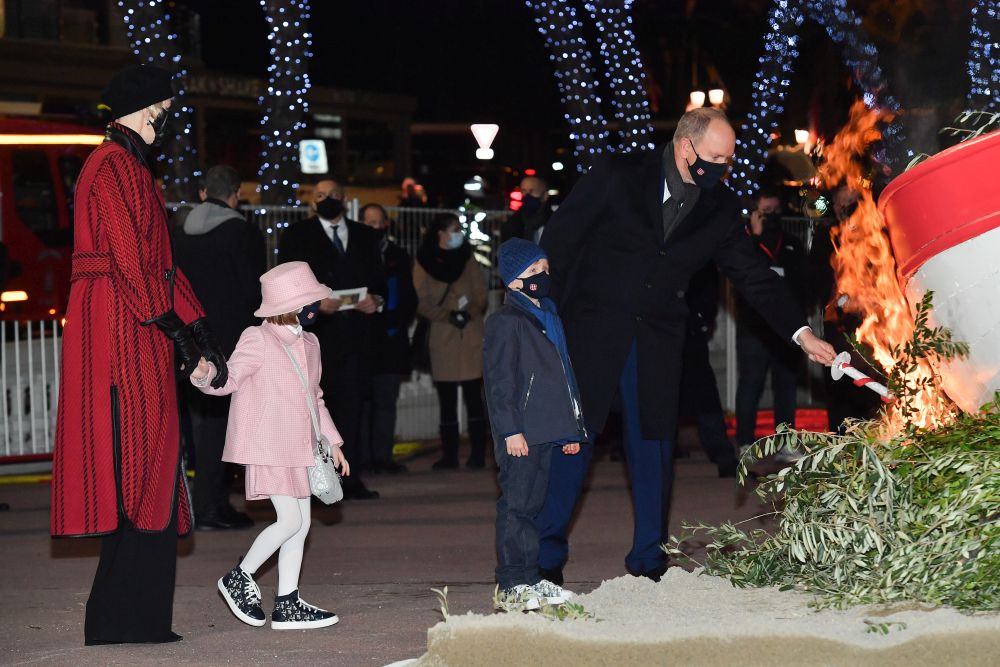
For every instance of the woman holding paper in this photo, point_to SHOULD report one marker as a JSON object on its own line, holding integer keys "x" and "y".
{"x": 452, "y": 295}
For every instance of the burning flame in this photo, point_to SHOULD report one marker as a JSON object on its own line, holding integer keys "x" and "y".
{"x": 865, "y": 269}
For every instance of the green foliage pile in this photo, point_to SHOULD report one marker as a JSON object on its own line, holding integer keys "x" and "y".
{"x": 865, "y": 519}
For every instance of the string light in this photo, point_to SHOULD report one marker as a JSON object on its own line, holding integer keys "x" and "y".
{"x": 285, "y": 106}
{"x": 859, "y": 55}
{"x": 624, "y": 73}
{"x": 148, "y": 24}
{"x": 576, "y": 77}
{"x": 984, "y": 57}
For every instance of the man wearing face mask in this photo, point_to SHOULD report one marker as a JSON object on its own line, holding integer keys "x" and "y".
{"x": 528, "y": 222}
{"x": 759, "y": 350}
{"x": 342, "y": 254}
{"x": 116, "y": 469}
{"x": 223, "y": 256}
{"x": 622, "y": 249}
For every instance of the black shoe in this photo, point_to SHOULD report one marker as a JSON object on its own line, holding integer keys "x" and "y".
{"x": 727, "y": 469}
{"x": 475, "y": 463}
{"x": 291, "y": 613}
{"x": 213, "y": 521}
{"x": 238, "y": 519}
{"x": 391, "y": 468}
{"x": 169, "y": 639}
{"x": 555, "y": 575}
{"x": 357, "y": 490}
{"x": 241, "y": 593}
{"x": 445, "y": 464}
{"x": 655, "y": 574}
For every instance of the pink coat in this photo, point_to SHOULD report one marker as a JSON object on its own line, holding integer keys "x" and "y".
{"x": 269, "y": 421}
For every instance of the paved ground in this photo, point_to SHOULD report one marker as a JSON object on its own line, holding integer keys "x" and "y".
{"x": 373, "y": 562}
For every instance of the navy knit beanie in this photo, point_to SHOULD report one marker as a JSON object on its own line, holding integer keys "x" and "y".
{"x": 516, "y": 255}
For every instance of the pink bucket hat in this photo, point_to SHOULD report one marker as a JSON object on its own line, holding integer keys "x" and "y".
{"x": 288, "y": 287}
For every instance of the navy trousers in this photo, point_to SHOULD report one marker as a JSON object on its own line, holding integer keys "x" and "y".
{"x": 651, "y": 470}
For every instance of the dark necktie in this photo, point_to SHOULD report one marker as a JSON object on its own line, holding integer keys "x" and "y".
{"x": 335, "y": 237}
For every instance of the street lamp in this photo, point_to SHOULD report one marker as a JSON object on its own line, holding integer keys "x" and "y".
{"x": 697, "y": 98}
{"x": 484, "y": 133}
{"x": 716, "y": 96}
{"x": 801, "y": 137}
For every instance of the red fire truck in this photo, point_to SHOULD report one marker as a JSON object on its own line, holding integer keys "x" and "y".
{"x": 39, "y": 165}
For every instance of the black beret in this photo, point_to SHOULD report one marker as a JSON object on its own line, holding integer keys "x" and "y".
{"x": 136, "y": 87}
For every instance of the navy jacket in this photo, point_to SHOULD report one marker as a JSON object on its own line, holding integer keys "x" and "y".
{"x": 527, "y": 390}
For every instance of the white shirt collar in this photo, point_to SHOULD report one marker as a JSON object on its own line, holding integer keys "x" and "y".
{"x": 339, "y": 225}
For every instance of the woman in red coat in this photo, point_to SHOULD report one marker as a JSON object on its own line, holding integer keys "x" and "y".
{"x": 117, "y": 468}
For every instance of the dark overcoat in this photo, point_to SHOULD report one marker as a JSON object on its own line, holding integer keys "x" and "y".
{"x": 117, "y": 452}
{"x": 345, "y": 338}
{"x": 616, "y": 281}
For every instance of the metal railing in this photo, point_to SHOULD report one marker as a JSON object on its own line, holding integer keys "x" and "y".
{"x": 29, "y": 383}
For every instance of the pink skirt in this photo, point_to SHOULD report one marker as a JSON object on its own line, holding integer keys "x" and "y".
{"x": 266, "y": 481}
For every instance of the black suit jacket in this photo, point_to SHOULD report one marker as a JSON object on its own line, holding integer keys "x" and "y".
{"x": 617, "y": 282}
{"x": 343, "y": 336}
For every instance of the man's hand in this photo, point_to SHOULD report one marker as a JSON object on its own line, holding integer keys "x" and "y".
{"x": 571, "y": 448}
{"x": 818, "y": 349}
{"x": 329, "y": 306}
{"x": 517, "y": 445}
{"x": 756, "y": 222}
{"x": 367, "y": 305}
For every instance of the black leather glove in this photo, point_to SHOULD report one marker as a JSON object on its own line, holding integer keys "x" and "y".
{"x": 211, "y": 350}
{"x": 459, "y": 318}
{"x": 171, "y": 324}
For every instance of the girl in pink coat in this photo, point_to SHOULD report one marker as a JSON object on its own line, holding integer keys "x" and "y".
{"x": 274, "y": 378}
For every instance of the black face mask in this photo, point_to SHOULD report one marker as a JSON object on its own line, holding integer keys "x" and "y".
{"x": 159, "y": 126}
{"x": 307, "y": 316}
{"x": 330, "y": 208}
{"x": 536, "y": 286}
{"x": 530, "y": 204}
{"x": 706, "y": 174}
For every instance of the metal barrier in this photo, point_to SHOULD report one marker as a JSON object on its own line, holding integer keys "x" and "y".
{"x": 29, "y": 383}
{"x": 29, "y": 365}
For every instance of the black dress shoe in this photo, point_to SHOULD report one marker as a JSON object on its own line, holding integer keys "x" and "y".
{"x": 213, "y": 521}
{"x": 555, "y": 575}
{"x": 239, "y": 520}
{"x": 655, "y": 574}
{"x": 475, "y": 464}
{"x": 391, "y": 468}
{"x": 445, "y": 464}
{"x": 356, "y": 490}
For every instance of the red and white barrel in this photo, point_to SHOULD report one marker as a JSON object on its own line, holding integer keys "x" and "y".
{"x": 943, "y": 218}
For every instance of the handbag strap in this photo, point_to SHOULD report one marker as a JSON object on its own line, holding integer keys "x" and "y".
{"x": 445, "y": 295}
{"x": 309, "y": 398}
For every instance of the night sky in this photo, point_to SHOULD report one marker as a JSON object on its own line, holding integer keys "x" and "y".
{"x": 483, "y": 60}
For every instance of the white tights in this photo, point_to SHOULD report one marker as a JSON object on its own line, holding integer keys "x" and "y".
{"x": 287, "y": 534}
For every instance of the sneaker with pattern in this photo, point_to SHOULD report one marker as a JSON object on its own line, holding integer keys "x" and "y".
{"x": 241, "y": 593}
{"x": 552, "y": 593}
{"x": 518, "y": 598}
{"x": 292, "y": 613}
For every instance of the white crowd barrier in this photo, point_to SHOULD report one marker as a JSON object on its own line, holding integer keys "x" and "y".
{"x": 29, "y": 383}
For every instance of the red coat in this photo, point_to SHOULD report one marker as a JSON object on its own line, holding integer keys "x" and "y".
{"x": 117, "y": 437}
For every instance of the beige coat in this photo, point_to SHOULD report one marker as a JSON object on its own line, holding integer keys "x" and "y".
{"x": 456, "y": 354}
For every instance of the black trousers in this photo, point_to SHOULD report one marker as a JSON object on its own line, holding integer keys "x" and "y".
{"x": 344, "y": 385}
{"x": 757, "y": 353}
{"x": 523, "y": 482}
{"x": 209, "y": 419}
{"x": 472, "y": 392}
{"x": 132, "y": 598}
{"x": 700, "y": 399}
{"x": 378, "y": 428}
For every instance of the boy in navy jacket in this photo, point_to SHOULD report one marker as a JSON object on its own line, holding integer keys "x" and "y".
{"x": 534, "y": 407}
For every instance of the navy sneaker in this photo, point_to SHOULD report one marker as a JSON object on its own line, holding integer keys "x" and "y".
{"x": 241, "y": 593}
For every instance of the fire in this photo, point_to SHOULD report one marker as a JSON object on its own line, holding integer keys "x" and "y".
{"x": 865, "y": 269}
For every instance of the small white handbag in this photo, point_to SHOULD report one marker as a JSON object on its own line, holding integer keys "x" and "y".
{"x": 324, "y": 480}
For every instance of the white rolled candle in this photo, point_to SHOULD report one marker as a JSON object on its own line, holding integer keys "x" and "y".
{"x": 842, "y": 366}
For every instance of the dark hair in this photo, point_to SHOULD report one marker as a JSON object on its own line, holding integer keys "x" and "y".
{"x": 221, "y": 181}
{"x": 766, "y": 192}
{"x": 440, "y": 223}
{"x": 363, "y": 209}
{"x": 290, "y": 319}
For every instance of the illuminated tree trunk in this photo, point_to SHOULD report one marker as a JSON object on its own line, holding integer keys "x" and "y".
{"x": 289, "y": 42}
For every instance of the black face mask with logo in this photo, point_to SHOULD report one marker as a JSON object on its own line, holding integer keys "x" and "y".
{"x": 706, "y": 174}
{"x": 537, "y": 286}
{"x": 329, "y": 208}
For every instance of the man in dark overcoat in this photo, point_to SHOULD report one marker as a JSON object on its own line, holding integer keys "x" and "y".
{"x": 622, "y": 248}
{"x": 343, "y": 254}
